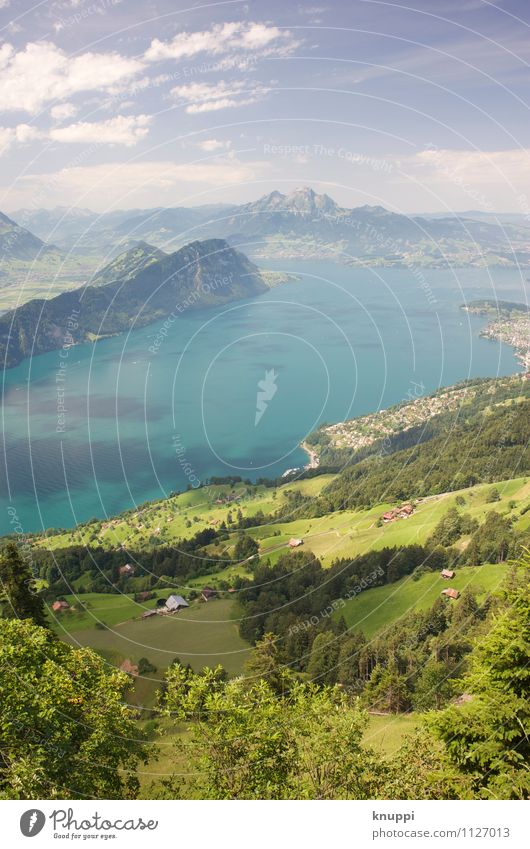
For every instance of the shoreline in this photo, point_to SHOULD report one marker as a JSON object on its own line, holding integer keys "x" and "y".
{"x": 314, "y": 459}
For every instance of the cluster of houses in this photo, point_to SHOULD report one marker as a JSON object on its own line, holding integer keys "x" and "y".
{"x": 227, "y": 499}
{"x": 402, "y": 512}
{"x": 449, "y": 592}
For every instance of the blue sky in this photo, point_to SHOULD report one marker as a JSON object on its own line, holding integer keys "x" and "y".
{"x": 418, "y": 106}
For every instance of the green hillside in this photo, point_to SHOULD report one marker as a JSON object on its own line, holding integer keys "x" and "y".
{"x": 376, "y": 609}
{"x": 199, "y": 275}
{"x": 205, "y": 634}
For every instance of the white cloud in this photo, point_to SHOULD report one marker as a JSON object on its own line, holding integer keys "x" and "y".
{"x": 31, "y": 78}
{"x": 131, "y": 184}
{"x": 473, "y": 166}
{"x": 224, "y": 38}
{"x": 20, "y": 134}
{"x": 63, "y": 111}
{"x": 211, "y": 145}
{"x": 202, "y": 97}
{"x": 125, "y": 130}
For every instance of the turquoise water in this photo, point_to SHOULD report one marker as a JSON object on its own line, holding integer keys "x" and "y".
{"x": 140, "y": 423}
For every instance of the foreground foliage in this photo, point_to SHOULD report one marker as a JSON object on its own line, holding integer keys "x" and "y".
{"x": 65, "y": 731}
{"x": 488, "y": 737}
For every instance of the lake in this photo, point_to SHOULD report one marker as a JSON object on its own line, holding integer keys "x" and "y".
{"x": 101, "y": 428}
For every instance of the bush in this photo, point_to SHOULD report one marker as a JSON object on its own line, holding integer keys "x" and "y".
{"x": 145, "y": 666}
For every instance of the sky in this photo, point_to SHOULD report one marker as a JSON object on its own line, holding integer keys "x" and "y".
{"x": 415, "y": 105}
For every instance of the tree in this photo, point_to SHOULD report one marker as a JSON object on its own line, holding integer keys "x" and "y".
{"x": 265, "y": 663}
{"x": 322, "y": 666}
{"x": 245, "y": 547}
{"x": 387, "y": 689}
{"x": 493, "y": 542}
{"x": 19, "y": 598}
{"x": 247, "y": 742}
{"x": 145, "y": 666}
{"x": 486, "y": 738}
{"x": 433, "y": 688}
{"x": 348, "y": 667}
{"x": 65, "y": 731}
{"x": 331, "y": 760}
{"x": 420, "y": 770}
{"x": 238, "y": 744}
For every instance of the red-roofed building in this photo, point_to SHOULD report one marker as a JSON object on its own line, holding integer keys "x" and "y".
{"x": 451, "y": 593}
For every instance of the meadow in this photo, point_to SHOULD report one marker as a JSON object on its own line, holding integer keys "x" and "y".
{"x": 374, "y": 609}
{"x": 344, "y": 533}
{"x": 205, "y": 634}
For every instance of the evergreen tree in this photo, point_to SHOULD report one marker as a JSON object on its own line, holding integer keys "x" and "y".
{"x": 387, "y": 690}
{"x": 433, "y": 687}
{"x": 322, "y": 666}
{"x": 266, "y": 663}
{"x": 487, "y": 737}
{"x": 18, "y": 595}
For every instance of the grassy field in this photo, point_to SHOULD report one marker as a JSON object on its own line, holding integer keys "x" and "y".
{"x": 44, "y": 277}
{"x": 345, "y": 533}
{"x": 385, "y": 733}
{"x": 181, "y": 516}
{"x": 207, "y": 634}
{"x": 376, "y": 608}
{"x": 348, "y": 533}
{"x": 201, "y": 635}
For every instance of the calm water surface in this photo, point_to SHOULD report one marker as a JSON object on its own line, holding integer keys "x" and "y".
{"x": 337, "y": 343}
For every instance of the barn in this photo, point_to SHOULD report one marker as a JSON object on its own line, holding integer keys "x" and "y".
{"x": 175, "y": 603}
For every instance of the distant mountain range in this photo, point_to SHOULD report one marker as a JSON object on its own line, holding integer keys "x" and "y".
{"x": 141, "y": 287}
{"x": 302, "y": 224}
{"x": 17, "y": 243}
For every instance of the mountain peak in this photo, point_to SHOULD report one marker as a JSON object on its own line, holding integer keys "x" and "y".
{"x": 303, "y": 201}
{"x": 307, "y": 201}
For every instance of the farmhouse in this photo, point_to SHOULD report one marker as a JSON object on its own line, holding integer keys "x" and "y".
{"x": 129, "y": 667}
{"x": 450, "y": 593}
{"x": 402, "y": 512}
{"x": 175, "y": 603}
{"x": 145, "y": 595}
{"x": 447, "y": 573}
{"x": 57, "y": 606}
{"x": 148, "y": 613}
{"x": 207, "y": 593}
{"x": 127, "y": 570}
{"x": 294, "y": 542}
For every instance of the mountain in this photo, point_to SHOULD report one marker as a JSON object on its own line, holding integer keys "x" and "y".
{"x": 18, "y": 243}
{"x": 199, "y": 275}
{"x": 306, "y": 224}
{"x": 128, "y": 264}
{"x": 85, "y": 232}
{"x": 518, "y": 218}
{"x": 302, "y": 224}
